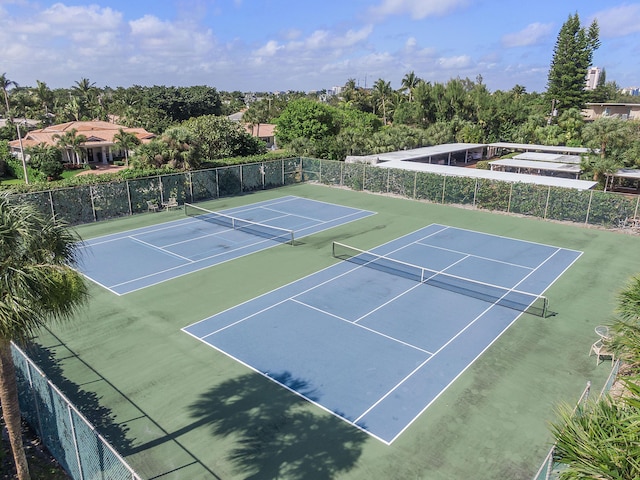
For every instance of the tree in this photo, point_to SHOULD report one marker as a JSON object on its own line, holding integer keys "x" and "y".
{"x": 47, "y": 159}
{"x": 306, "y": 119}
{"x": 37, "y": 284}
{"x": 5, "y": 84}
{"x": 572, "y": 56}
{"x": 125, "y": 141}
{"x": 382, "y": 92}
{"x": 71, "y": 142}
{"x": 409, "y": 82}
{"x": 43, "y": 95}
{"x": 218, "y": 137}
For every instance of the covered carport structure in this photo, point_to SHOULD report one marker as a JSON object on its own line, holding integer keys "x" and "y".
{"x": 446, "y": 170}
{"x": 495, "y": 149}
{"x": 447, "y": 154}
{"x": 567, "y": 170}
{"x": 625, "y": 180}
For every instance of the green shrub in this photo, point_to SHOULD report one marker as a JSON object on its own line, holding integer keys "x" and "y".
{"x": 483, "y": 165}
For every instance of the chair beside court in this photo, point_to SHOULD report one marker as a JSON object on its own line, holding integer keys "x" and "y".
{"x": 152, "y": 206}
{"x": 601, "y": 348}
{"x": 171, "y": 203}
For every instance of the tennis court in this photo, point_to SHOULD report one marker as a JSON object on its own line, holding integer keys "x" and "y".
{"x": 377, "y": 337}
{"x": 136, "y": 259}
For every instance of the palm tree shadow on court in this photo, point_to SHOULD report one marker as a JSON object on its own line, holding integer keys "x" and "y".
{"x": 280, "y": 435}
{"x": 87, "y": 402}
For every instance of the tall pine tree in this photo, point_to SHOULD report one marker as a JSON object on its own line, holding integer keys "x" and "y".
{"x": 572, "y": 56}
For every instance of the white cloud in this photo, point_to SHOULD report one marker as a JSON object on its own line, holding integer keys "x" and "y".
{"x": 170, "y": 39}
{"x": 417, "y": 9}
{"x": 269, "y": 50}
{"x": 619, "y": 21}
{"x": 454, "y": 63}
{"x": 530, "y": 35}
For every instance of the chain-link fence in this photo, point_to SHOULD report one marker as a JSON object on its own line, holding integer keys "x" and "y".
{"x": 551, "y": 468}
{"x": 590, "y": 207}
{"x": 102, "y": 201}
{"x": 71, "y": 439}
{"x": 86, "y": 204}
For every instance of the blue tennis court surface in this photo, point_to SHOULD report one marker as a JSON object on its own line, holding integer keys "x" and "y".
{"x": 375, "y": 348}
{"x": 139, "y": 258}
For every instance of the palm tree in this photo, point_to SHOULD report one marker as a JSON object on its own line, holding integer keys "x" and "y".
{"x": 125, "y": 141}
{"x": 5, "y": 84}
{"x": 44, "y": 96}
{"x": 37, "y": 284}
{"x": 629, "y": 301}
{"x": 382, "y": 91}
{"x": 409, "y": 83}
{"x": 71, "y": 142}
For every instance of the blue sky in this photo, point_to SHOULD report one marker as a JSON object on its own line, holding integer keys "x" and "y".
{"x": 271, "y": 45}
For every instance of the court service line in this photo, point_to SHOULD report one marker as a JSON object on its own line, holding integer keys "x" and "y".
{"x": 334, "y": 277}
{"x": 417, "y": 285}
{"x": 415, "y": 370}
{"x": 288, "y": 214}
{"x": 161, "y": 249}
{"x": 192, "y": 262}
{"x": 419, "y": 242}
{"x": 376, "y": 332}
{"x": 322, "y": 222}
{"x": 449, "y": 342}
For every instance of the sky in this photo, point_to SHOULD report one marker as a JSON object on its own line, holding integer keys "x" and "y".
{"x": 304, "y": 45}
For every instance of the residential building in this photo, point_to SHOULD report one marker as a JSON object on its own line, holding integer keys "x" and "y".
{"x": 99, "y": 147}
{"x": 627, "y": 111}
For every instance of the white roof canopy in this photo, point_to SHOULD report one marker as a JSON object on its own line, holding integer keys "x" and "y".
{"x": 549, "y": 157}
{"x": 491, "y": 175}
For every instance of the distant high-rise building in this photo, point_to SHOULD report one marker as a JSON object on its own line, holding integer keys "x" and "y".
{"x": 593, "y": 78}
{"x": 633, "y": 91}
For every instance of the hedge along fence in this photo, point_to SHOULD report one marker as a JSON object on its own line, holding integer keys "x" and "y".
{"x": 91, "y": 203}
{"x": 590, "y": 207}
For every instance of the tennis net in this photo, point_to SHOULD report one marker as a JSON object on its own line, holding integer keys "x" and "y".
{"x": 505, "y": 297}
{"x": 260, "y": 229}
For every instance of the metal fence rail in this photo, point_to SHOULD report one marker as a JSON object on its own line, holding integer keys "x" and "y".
{"x": 102, "y": 201}
{"x": 91, "y": 203}
{"x": 69, "y": 436}
{"x": 589, "y": 207}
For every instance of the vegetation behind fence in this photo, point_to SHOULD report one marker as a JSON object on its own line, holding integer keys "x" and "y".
{"x": 91, "y": 203}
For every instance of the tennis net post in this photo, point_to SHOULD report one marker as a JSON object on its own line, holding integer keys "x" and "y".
{"x": 507, "y": 297}
{"x": 263, "y": 230}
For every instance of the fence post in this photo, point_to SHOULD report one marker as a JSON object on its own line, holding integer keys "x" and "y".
{"x": 546, "y": 206}
{"x": 190, "y": 177}
{"x": 75, "y": 441}
{"x": 444, "y": 188}
{"x": 129, "y": 197}
{"x": 586, "y": 220}
{"x": 415, "y": 184}
{"x": 93, "y": 204}
{"x": 510, "y": 195}
{"x": 53, "y": 210}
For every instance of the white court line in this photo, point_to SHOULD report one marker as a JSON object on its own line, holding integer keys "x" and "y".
{"x": 445, "y": 345}
{"x": 193, "y": 262}
{"x": 160, "y": 249}
{"x": 417, "y": 285}
{"x": 419, "y": 242}
{"x": 388, "y": 337}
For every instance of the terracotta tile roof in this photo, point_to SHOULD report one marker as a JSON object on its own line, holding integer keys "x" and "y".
{"x": 97, "y": 133}
{"x": 266, "y": 129}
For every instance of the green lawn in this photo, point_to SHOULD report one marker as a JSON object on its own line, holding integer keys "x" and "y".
{"x": 178, "y": 409}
